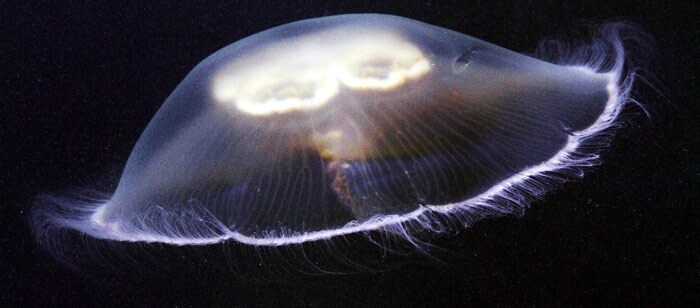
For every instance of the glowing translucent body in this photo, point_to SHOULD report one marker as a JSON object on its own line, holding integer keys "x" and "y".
{"x": 352, "y": 123}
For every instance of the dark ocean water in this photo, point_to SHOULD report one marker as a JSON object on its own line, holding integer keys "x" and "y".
{"x": 80, "y": 81}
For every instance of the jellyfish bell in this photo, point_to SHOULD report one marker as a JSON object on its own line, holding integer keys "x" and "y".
{"x": 347, "y": 124}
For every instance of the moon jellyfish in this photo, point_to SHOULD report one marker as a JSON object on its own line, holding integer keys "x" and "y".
{"x": 356, "y": 124}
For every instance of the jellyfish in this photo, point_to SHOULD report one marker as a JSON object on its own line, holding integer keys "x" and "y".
{"x": 350, "y": 124}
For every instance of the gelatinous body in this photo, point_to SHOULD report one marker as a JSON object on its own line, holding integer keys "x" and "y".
{"x": 353, "y": 123}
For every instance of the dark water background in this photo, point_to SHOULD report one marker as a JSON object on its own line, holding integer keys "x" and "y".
{"x": 79, "y": 82}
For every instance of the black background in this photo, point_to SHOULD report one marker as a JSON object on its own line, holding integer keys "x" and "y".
{"x": 80, "y": 81}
